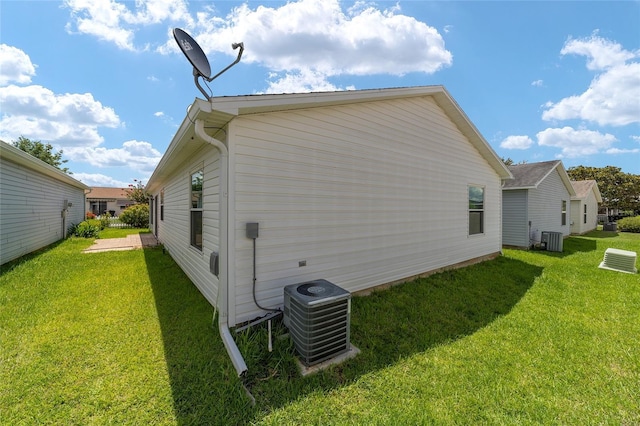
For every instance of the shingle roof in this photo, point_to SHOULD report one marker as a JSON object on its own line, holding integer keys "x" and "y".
{"x": 584, "y": 187}
{"x": 98, "y": 192}
{"x": 529, "y": 175}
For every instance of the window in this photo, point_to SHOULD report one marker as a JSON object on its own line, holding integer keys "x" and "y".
{"x": 476, "y": 210}
{"x": 585, "y": 214}
{"x": 196, "y": 209}
{"x": 564, "y": 212}
{"x": 162, "y": 205}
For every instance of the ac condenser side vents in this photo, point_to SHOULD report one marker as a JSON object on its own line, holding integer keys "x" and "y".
{"x": 619, "y": 260}
{"x": 552, "y": 241}
{"x": 317, "y": 314}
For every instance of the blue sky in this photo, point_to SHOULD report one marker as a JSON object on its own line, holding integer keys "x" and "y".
{"x": 105, "y": 82}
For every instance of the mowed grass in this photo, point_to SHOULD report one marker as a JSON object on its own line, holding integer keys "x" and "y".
{"x": 125, "y": 338}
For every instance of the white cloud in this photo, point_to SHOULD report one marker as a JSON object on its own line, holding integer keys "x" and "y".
{"x": 576, "y": 143}
{"x": 301, "y": 82}
{"x": 318, "y": 35}
{"x": 114, "y": 22}
{"x": 313, "y": 38}
{"x": 97, "y": 179}
{"x": 537, "y": 83}
{"x": 623, "y": 151}
{"x": 66, "y": 120}
{"x": 138, "y": 155}
{"x": 613, "y": 97}
{"x": 15, "y": 66}
{"x": 601, "y": 53}
{"x": 516, "y": 142}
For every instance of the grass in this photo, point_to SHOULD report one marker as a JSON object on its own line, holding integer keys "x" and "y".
{"x": 124, "y": 337}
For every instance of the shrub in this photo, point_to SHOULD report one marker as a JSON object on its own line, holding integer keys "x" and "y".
{"x": 136, "y": 216}
{"x": 85, "y": 230}
{"x": 104, "y": 220}
{"x": 629, "y": 224}
{"x": 90, "y": 215}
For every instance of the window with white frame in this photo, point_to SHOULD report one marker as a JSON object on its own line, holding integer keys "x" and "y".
{"x": 162, "y": 204}
{"x": 476, "y": 210}
{"x": 585, "y": 214}
{"x": 196, "y": 209}
{"x": 564, "y": 213}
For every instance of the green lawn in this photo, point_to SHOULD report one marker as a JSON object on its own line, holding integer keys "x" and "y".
{"x": 125, "y": 338}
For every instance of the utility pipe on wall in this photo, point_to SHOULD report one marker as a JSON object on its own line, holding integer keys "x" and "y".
{"x": 223, "y": 289}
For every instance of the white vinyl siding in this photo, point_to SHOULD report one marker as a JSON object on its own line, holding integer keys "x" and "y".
{"x": 364, "y": 194}
{"x": 515, "y": 219}
{"x": 545, "y": 205}
{"x": 174, "y": 230}
{"x": 31, "y": 206}
{"x": 582, "y": 222}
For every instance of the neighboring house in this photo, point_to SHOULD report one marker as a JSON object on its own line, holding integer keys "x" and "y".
{"x": 101, "y": 200}
{"x": 360, "y": 188}
{"x": 584, "y": 206}
{"x": 537, "y": 199}
{"x": 38, "y": 203}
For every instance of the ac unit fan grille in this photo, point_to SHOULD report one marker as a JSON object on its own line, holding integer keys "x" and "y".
{"x": 318, "y": 321}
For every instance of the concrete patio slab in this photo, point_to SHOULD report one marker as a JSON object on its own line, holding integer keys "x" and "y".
{"x": 130, "y": 242}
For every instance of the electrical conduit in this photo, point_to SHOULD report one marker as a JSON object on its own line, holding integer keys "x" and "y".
{"x": 223, "y": 325}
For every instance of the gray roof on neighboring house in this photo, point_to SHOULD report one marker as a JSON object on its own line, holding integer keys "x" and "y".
{"x": 584, "y": 187}
{"x": 530, "y": 175}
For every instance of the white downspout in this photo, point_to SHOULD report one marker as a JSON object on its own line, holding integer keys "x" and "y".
{"x": 223, "y": 309}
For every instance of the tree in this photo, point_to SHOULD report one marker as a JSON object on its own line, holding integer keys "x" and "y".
{"x": 619, "y": 190}
{"x": 137, "y": 192}
{"x": 509, "y": 161}
{"x": 42, "y": 151}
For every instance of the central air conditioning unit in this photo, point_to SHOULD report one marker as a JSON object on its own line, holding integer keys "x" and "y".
{"x": 619, "y": 260}
{"x": 551, "y": 241}
{"x": 317, "y": 314}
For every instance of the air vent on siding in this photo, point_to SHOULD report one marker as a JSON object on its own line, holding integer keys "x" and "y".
{"x": 317, "y": 314}
{"x": 619, "y": 260}
{"x": 551, "y": 241}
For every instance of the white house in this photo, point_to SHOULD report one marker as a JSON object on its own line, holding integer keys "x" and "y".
{"x": 101, "y": 200}
{"x": 584, "y": 206}
{"x": 538, "y": 199}
{"x": 360, "y": 188}
{"x": 38, "y": 202}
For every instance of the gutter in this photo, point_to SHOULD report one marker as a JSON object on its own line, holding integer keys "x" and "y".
{"x": 223, "y": 290}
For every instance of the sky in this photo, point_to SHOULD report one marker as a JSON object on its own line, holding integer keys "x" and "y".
{"x": 105, "y": 82}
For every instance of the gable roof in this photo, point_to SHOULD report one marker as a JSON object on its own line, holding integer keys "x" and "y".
{"x": 100, "y": 192}
{"x": 584, "y": 187}
{"x": 531, "y": 175}
{"x": 221, "y": 110}
{"x": 18, "y": 156}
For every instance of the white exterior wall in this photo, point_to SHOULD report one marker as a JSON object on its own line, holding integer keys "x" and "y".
{"x": 577, "y": 214}
{"x": 31, "y": 206}
{"x": 364, "y": 194}
{"x": 174, "y": 231}
{"x": 515, "y": 218}
{"x": 545, "y": 205}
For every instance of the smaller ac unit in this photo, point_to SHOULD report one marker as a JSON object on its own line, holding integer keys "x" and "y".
{"x": 619, "y": 260}
{"x": 551, "y": 241}
{"x": 317, "y": 314}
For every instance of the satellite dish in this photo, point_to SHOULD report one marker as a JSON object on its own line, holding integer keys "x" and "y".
{"x": 193, "y": 52}
{"x": 198, "y": 59}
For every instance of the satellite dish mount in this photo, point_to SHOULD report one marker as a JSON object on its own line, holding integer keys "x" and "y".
{"x": 198, "y": 59}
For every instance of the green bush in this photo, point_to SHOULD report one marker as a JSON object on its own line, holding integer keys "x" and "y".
{"x": 85, "y": 229}
{"x": 629, "y": 224}
{"x": 104, "y": 220}
{"x": 136, "y": 216}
